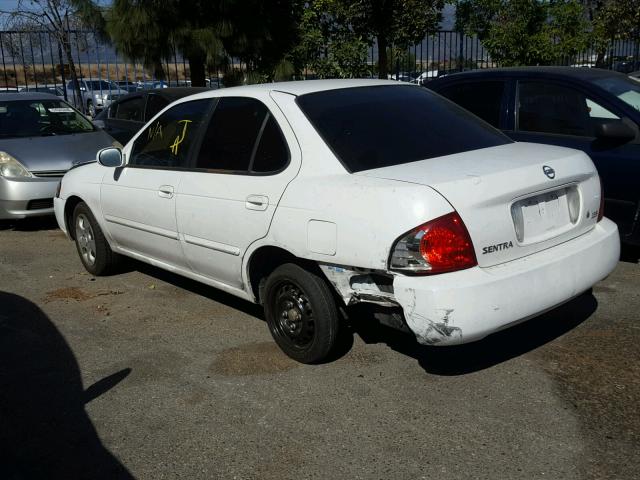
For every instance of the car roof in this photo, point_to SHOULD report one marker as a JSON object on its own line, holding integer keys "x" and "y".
{"x": 303, "y": 87}
{"x": 580, "y": 73}
{"x": 28, "y": 96}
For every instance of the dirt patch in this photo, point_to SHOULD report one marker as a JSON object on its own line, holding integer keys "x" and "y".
{"x": 252, "y": 359}
{"x": 77, "y": 294}
{"x": 68, "y": 293}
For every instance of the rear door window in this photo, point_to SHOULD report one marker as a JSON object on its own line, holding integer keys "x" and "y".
{"x": 167, "y": 141}
{"x": 483, "y": 99}
{"x": 242, "y": 137}
{"x": 375, "y": 127}
{"x": 130, "y": 109}
{"x": 155, "y": 103}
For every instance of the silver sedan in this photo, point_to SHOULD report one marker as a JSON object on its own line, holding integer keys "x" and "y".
{"x": 41, "y": 137}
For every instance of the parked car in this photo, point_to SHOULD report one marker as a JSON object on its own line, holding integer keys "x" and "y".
{"x": 304, "y": 196}
{"x": 127, "y": 85}
{"x": 52, "y": 89}
{"x": 41, "y": 137}
{"x": 124, "y": 117}
{"x": 589, "y": 109}
{"x": 96, "y": 95}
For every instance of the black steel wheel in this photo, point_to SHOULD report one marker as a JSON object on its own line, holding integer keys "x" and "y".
{"x": 301, "y": 313}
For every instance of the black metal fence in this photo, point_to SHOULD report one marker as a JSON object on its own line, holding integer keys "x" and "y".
{"x": 34, "y": 59}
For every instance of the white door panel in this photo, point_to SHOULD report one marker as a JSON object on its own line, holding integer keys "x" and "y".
{"x": 139, "y": 207}
{"x": 219, "y": 219}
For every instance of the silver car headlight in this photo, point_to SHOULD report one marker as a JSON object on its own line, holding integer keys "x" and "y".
{"x": 12, "y": 168}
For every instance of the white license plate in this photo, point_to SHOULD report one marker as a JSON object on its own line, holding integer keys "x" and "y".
{"x": 540, "y": 217}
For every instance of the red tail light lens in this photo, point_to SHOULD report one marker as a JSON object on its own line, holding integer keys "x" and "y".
{"x": 441, "y": 245}
{"x": 601, "y": 209}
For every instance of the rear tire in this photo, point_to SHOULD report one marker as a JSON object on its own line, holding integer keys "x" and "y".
{"x": 94, "y": 250}
{"x": 301, "y": 313}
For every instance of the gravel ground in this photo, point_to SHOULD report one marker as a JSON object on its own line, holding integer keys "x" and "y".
{"x": 148, "y": 375}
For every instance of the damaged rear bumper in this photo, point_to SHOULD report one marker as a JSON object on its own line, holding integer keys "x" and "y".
{"x": 465, "y": 306}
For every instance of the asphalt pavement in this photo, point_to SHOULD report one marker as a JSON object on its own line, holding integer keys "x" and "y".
{"x": 147, "y": 375}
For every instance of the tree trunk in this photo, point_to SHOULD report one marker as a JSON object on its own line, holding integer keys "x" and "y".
{"x": 383, "y": 61}
{"x": 196, "y": 67}
{"x": 66, "y": 47}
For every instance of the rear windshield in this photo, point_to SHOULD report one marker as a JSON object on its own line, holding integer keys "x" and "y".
{"x": 380, "y": 126}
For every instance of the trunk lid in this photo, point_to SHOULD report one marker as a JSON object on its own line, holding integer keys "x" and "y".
{"x": 514, "y": 199}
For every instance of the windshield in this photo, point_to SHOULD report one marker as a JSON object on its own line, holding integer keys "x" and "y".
{"x": 38, "y": 118}
{"x": 380, "y": 126}
{"x": 624, "y": 88}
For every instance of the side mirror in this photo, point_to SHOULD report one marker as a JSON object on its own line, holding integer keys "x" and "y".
{"x": 110, "y": 157}
{"x": 614, "y": 130}
{"x": 99, "y": 124}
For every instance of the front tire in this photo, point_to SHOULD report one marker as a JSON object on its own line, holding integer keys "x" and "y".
{"x": 94, "y": 250}
{"x": 91, "y": 109}
{"x": 301, "y": 313}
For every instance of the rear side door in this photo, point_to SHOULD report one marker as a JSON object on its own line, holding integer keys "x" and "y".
{"x": 557, "y": 113}
{"x": 125, "y": 118}
{"x": 247, "y": 156}
{"x": 139, "y": 200}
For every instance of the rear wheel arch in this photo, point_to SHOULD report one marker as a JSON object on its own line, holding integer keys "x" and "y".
{"x": 264, "y": 260}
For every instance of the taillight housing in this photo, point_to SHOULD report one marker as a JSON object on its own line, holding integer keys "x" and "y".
{"x": 439, "y": 246}
{"x": 601, "y": 208}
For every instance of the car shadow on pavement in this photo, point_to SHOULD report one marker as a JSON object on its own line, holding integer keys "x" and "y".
{"x": 30, "y": 224}
{"x": 45, "y": 432}
{"x": 490, "y": 351}
{"x": 196, "y": 287}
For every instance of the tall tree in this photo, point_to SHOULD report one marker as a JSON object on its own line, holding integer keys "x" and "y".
{"x": 526, "y": 32}
{"x": 149, "y": 30}
{"x": 398, "y": 23}
{"x": 58, "y": 17}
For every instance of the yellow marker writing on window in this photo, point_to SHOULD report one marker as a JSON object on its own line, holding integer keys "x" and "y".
{"x": 155, "y": 131}
{"x": 176, "y": 143}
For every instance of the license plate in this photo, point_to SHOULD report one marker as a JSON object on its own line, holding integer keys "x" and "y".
{"x": 540, "y": 217}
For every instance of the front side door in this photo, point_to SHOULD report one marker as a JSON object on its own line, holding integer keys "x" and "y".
{"x": 138, "y": 200}
{"x": 560, "y": 114}
{"x": 125, "y": 118}
{"x": 247, "y": 157}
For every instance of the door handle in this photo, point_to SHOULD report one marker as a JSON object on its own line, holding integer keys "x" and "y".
{"x": 257, "y": 202}
{"x": 165, "y": 191}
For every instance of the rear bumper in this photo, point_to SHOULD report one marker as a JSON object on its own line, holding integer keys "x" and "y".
{"x": 18, "y": 196}
{"x": 465, "y": 306}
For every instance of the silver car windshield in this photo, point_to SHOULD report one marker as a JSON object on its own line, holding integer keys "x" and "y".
{"x": 39, "y": 118}
{"x": 625, "y": 89}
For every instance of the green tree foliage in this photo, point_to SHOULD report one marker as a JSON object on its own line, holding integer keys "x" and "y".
{"x": 335, "y": 34}
{"x": 526, "y": 32}
{"x": 205, "y": 32}
{"x": 615, "y": 19}
{"x": 328, "y": 46}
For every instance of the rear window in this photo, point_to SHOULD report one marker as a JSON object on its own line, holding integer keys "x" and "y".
{"x": 381, "y": 126}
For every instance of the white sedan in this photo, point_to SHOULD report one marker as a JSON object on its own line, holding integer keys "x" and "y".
{"x": 308, "y": 196}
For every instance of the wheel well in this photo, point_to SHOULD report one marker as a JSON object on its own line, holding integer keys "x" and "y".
{"x": 265, "y": 260}
{"x": 69, "y": 207}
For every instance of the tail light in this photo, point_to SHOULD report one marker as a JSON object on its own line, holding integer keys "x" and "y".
{"x": 58, "y": 188}
{"x": 441, "y": 245}
{"x": 601, "y": 209}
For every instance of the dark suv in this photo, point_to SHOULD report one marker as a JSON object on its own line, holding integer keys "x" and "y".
{"x": 596, "y": 111}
